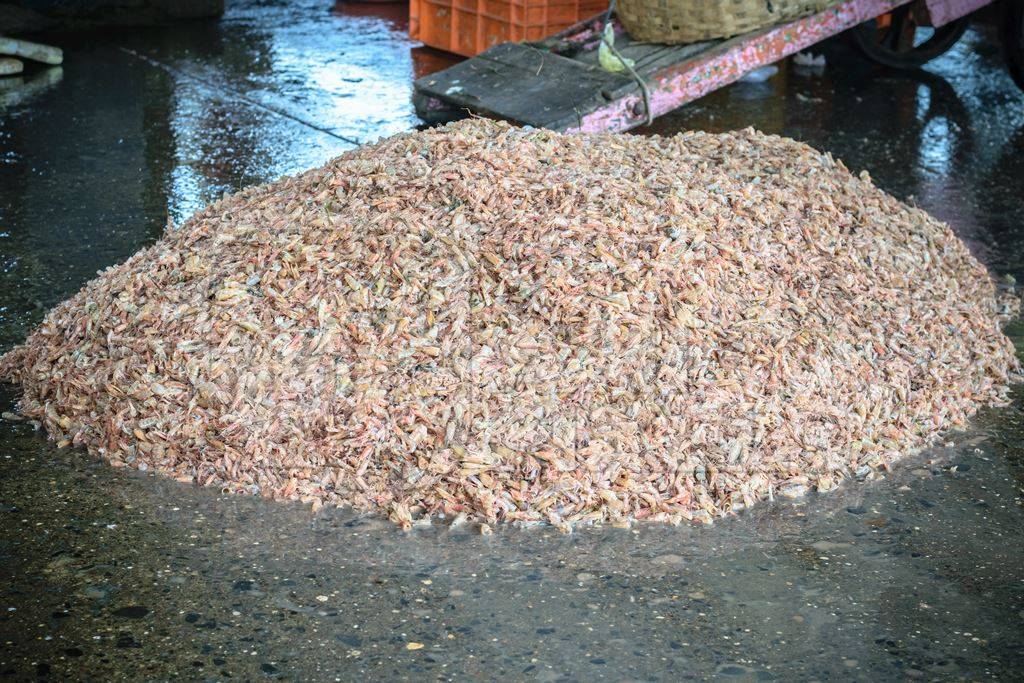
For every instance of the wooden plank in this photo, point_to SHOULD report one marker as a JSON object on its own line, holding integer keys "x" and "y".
{"x": 521, "y": 83}
{"x": 941, "y": 12}
{"x": 10, "y": 66}
{"x": 650, "y": 57}
{"x": 47, "y": 54}
{"x": 650, "y": 62}
{"x": 536, "y": 87}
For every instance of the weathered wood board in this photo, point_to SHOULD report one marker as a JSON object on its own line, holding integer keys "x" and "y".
{"x": 537, "y": 87}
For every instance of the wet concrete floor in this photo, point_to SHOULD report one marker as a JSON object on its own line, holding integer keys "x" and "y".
{"x": 107, "y": 574}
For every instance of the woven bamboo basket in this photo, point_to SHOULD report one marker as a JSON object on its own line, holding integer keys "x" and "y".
{"x": 689, "y": 21}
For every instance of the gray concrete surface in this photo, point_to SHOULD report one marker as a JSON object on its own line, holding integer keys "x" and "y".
{"x": 107, "y": 574}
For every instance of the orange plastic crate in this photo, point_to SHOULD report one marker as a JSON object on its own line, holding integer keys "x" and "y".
{"x": 468, "y": 27}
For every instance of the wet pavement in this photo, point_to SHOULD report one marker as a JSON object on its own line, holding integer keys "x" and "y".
{"x": 109, "y": 574}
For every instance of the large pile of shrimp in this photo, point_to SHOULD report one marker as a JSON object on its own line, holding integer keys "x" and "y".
{"x": 488, "y": 323}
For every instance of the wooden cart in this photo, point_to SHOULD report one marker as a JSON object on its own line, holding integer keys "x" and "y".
{"x": 557, "y": 83}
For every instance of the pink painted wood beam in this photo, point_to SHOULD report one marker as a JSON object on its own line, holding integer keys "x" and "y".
{"x": 944, "y": 11}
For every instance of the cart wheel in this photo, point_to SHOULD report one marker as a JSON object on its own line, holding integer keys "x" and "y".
{"x": 897, "y": 39}
{"x": 1011, "y": 34}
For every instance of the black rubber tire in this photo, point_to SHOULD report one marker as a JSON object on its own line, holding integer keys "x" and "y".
{"x": 1011, "y": 35}
{"x": 866, "y": 38}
